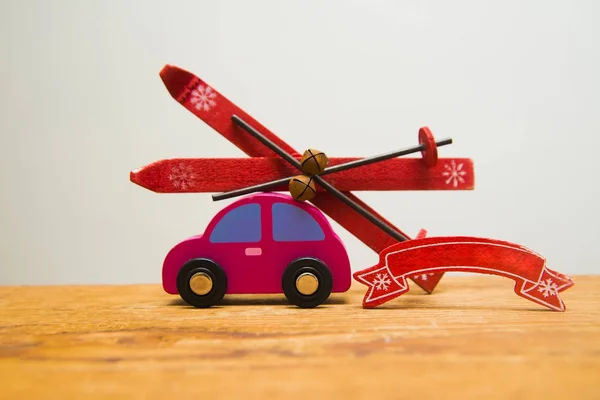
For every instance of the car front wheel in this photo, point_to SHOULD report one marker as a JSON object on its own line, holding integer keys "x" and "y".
{"x": 201, "y": 283}
{"x": 307, "y": 282}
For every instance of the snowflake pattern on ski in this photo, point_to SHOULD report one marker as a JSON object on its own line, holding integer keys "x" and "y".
{"x": 203, "y": 98}
{"x": 454, "y": 173}
{"x": 182, "y": 176}
{"x": 382, "y": 281}
{"x": 548, "y": 288}
{"x": 423, "y": 277}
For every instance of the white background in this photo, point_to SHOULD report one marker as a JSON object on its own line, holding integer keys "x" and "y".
{"x": 514, "y": 83}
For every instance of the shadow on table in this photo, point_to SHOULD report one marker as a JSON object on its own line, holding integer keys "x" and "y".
{"x": 428, "y": 303}
{"x": 259, "y": 300}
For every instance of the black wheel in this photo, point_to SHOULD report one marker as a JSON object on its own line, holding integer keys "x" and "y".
{"x": 201, "y": 283}
{"x": 307, "y": 282}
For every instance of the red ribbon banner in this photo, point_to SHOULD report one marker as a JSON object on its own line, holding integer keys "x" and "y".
{"x": 418, "y": 258}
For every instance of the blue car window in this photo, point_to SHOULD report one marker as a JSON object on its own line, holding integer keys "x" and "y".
{"x": 293, "y": 224}
{"x": 240, "y": 225}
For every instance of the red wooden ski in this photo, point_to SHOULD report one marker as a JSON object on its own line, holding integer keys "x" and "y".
{"x": 426, "y": 256}
{"x": 216, "y": 111}
{"x": 201, "y": 175}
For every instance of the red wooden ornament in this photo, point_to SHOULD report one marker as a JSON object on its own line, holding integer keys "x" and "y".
{"x": 209, "y": 175}
{"x": 423, "y": 257}
{"x": 217, "y": 111}
{"x": 430, "y": 154}
{"x": 423, "y": 260}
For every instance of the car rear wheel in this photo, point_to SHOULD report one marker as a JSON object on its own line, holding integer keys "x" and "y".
{"x": 201, "y": 283}
{"x": 307, "y": 282}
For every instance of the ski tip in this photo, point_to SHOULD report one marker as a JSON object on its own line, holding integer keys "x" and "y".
{"x": 143, "y": 178}
{"x": 134, "y": 177}
{"x": 176, "y": 80}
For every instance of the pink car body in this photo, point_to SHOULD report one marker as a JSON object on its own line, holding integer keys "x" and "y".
{"x": 255, "y": 238}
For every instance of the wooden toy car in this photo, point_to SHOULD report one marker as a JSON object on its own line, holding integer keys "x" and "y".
{"x": 263, "y": 243}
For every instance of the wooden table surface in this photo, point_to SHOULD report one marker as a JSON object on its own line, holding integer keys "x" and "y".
{"x": 473, "y": 338}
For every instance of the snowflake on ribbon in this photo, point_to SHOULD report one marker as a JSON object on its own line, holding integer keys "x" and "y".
{"x": 382, "y": 282}
{"x": 548, "y": 288}
{"x": 422, "y": 277}
{"x": 182, "y": 176}
{"x": 203, "y": 97}
{"x": 454, "y": 173}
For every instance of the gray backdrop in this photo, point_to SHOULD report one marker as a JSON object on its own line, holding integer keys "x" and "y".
{"x": 515, "y": 83}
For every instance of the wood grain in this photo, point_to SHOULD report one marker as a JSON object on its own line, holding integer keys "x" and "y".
{"x": 472, "y": 338}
